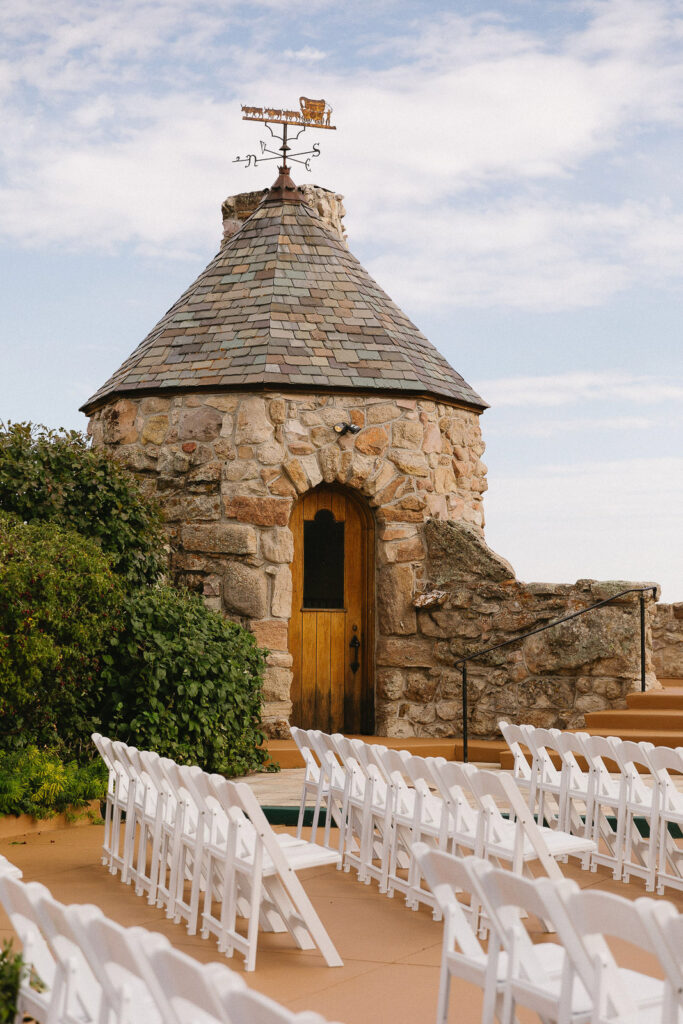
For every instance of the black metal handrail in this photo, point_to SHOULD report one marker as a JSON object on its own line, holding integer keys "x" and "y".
{"x": 540, "y": 629}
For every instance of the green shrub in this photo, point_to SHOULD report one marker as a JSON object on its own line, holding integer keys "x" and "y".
{"x": 59, "y": 605}
{"x": 11, "y": 970}
{"x": 39, "y": 783}
{"x": 55, "y": 475}
{"x": 183, "y": 681}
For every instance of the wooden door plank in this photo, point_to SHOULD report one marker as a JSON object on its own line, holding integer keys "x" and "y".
{"x": 294, "y": 632}
{"x": 339, "y": 658}
{"x": 322, "y": 680}
{"x": 338, "y": 506}
{"x": 353, "y": 586}
{"x": 308, "y": 668}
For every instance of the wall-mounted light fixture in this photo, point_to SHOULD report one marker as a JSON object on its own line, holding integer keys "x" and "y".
{"x": 346, "y": 428}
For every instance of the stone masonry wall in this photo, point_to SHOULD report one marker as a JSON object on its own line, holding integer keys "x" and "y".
{"x": 473, "y": 600}
{"x": 227, "y": 469}
{"x": 667, "y": 641}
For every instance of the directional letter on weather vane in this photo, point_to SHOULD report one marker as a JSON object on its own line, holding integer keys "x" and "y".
{"x": 313, "y": 114}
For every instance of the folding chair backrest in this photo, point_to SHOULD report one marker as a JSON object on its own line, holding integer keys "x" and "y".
{"x": 85, "y": 995}
{"x": 630, "y": 757}
{"x": 446, "y": 875}
{"x": 371, "y": 755}
{"x": 9, "y": 869}
{"x": 601, "y": 754}
{"x": 123, "y": 954}
{"x": 571, "y": 746}
{"x": 103, "y": 746}
{"x": 666, "y": 763}
{"x": 517, "y": 736}
{"x": 187, "y": 986}
{"x": 543, "y": 744}
{"x": 307, "y": 750}
{"x": 20, "y": 903}
{"x": 244, "y": 1006}
{"x": 665, "y": 925}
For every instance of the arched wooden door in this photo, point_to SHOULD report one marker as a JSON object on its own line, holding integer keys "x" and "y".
{"x": 330, "y": 631}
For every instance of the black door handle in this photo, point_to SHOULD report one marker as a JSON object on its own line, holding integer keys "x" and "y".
{"x": 354, "y": 644}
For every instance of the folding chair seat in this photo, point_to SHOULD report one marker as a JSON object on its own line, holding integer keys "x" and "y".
{"x": 253, "y": 864}
{"x": 122, "y": 958}
{"x": 575, "y": 814}
{"x": 606, "y": 804}
{"x": 462, "y": 954}
{"x": 517, "y": 839}
{"x": 641, "y": 800}
{"x": 517, "y": 737}
{"x": 667, "y": 764}
{"x": 619, "y": 995}
{"x": 42, "y": 990}
{"x": 546, "y": 779}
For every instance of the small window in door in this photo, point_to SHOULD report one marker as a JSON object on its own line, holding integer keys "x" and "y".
{"x": 323, "y": 561}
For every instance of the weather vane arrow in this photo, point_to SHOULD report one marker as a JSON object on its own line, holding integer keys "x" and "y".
{"x": 313, "y": 114}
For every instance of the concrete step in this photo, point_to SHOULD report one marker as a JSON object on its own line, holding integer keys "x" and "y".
{"x": 672, "y": 682}
{"x": 286, "y": 753}
{"x": 667, "y": 719}
{"x": 671, "y": 697}
{"x": 660, "y": 737}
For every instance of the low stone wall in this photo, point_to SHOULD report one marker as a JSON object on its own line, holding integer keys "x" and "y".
{"x": 471, "y": 600}
{"x": 667, "y": 641}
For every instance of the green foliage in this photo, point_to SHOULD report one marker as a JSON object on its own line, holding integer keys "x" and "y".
{"x": 59, "y": 605}
{"x": 11, "y": 970}
{"x": 55, "y": 475}
{"x": 39, "y": 783}
{"x": 183, "y": 681}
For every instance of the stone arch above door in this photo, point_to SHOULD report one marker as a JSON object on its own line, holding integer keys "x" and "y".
{"x": 331, "y": 629}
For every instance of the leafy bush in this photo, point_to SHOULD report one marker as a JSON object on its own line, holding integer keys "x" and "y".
{"x": 55, "y": 475}
{"x": 59, "y": 604}
{"x": 11, "y": 970}
{"x": 39, "y": 783}
{"x": 183, "y": 681}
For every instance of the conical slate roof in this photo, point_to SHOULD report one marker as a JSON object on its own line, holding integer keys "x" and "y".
{"x": 284, "y": 304}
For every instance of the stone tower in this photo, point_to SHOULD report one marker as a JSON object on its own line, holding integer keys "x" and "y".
{"x": 299, "y": 432}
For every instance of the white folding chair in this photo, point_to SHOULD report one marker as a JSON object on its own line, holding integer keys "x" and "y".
{"x": 546, "y": 779}
{"x": 196, "y": 992}
{"x": 314, "y": 784}
{"x": 453, "y": 785}
{"x": 157, "y": 815}
{"x": 667, "y": 766}
{"x": 84, "y": 999}
{"x": 177, "y": 844}
{"x": 517, "y": 737}
{"x": 336, "y": 782}
{"x": 607, "y": 803}
{"x": 575, "y": 813}
{"x": 42, "y": 989}
{"x": 517, "y": 839}
{"x": 253, "y": 864}
{"x": 244, "y": 1006}
{"x": 619, "y": 995}
{"x": 111, "y": 752}
{"x": 462, "y": 954}
{"x": 665, "y": 926}
{"x": 122, "y": 955}
{"x": 641, "y": 802}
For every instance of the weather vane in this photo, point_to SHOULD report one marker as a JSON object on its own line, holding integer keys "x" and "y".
{"x": 313, "y": 114}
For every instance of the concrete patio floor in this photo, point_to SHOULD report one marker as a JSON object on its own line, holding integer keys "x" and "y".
{"x": 391, "y": 954}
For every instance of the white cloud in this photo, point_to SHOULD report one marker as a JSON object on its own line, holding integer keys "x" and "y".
{"x": 579, "y": 424}
{"x": 568, "y": 388}
{"x": 608, "y": 520}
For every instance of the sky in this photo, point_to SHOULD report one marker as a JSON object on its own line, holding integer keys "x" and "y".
{"x": 512, "y": 174}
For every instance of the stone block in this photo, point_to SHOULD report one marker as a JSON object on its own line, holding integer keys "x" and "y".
{"x": 412, "y": 463}
{"x": 245, "y": 590}
{"x": 296, "y": 474}
{"x": 208, "y": 472}
{"x": 404, "y": 550}
{"x": 420, "y": 687}
{"x": 220, "y": 538}
{"x": 457, "y": 550}
{"x": 118, "y": 422}
{"x": 381, "y": 412}
{"x": 311, "y": 468}
{"x": 407, "y": 434}
{"x": 281, "y": 605}
{"x": 330, "y": 463}
{"x": 396, "y": 614}
{"x": 372, "y": 441}
{"x": 405, "y": 652}
{"x": 277, "y": 410}
{"x": 270, "y": 453}
{"x": 259, "y": 511}
{"x": 444, "y": 480}
{"x": 154, "y": 430}
{"x": 389, "y": 683}
{"x": 252, "y": 425}
{"x": 270, "y": 633}
{"x": 432, "y": 441}
{"x": 203, "y": 424}
{"x": 190, "y": 508}
{"x": 277, "y": 683}
{"x": 277, "y": 545}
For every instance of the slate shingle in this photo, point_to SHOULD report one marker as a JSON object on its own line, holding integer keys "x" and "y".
{"x": 285, "y": 287}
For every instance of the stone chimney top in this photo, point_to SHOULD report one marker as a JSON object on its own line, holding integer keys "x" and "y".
{"x": 329, "y": 205}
